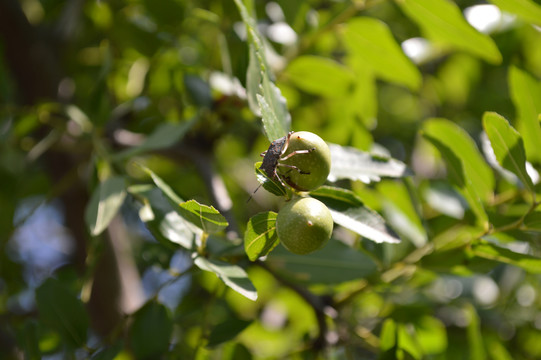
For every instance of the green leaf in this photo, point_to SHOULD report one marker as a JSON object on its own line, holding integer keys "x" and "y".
{"x": 443, "y": 23}
{"x": 353, "y": 164}
{"x": 29, "y": 341}
{"x": 466, "y": 168}
{"x": 63, "y": 312}
{"x": 334, "y": 263}
{"x": 431, "y": 335}
{"x": 320, "y": 76}
{"x": 104, "y": 204}
{"x": 526, "y": 95}
{"x": 164, "y": 136}
{"x": 533, "y": 221}
{"x": 261, "y": 90}
{"x": 253, "y": 79}
{"x": 408, "y": 342}
{"x": 269, "y": 119}
{"x": 457, "y": 175}
{"x": 388, "y": 336}
{"x": 227, "y": 331}
{"x": 441, "y": 196}
{"x": 232, "y": 275}
{"x": 497, "y": 349}
{"x": 205, "y": 217}
{"x": 364, "y": 100}
{"x": 508, "y": 146}
{"x": 524, "y": 9}
{"x": 260, "y": 235}
{"x": 475, "y": 336}
{"x": 162, "y": 219}
{"x": 399, "y": 210}
{"x": 271, "y": 185}
{"x": 350, "y": 212}
{"x": 281, "y": 120}
{"x": 166, "y": 189}
{"x": 151, "y": 330}
{"x": 489, "y": 251}
{"x": 371, "y": 40}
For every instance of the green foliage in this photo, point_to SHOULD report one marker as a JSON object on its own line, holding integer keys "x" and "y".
{"x": 260, "y": 236}
{"x": 371, "y": 42}
{"x": 138, "y": 223}
{"x": 442, "y": 22}
{"x": 151, "y": 344}
{"x": 62, "y": 311}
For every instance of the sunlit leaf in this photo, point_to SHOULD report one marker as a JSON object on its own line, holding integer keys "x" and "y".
{"x": 527, "y": 10}
{"x": 349, "y": 211}
{"x": 260, "y": 236}
{"x": 431, "y": 335}
{"x": 490, "y": 251}
{"x": 496, "y": 348}
{"x": 526, "y": 95}
{"x": 320, "y": 76}
{"x": 442, "y": 22}
{"x": 232, "y": 275}
{"x": 334, "y": 263}
{"x": 363, "y": 101}
{"x": 388, "y": 336}
{"x": 473, "y": 332}
{"x": 151, "y": 330}
{"x": 271, "y": 185}
{"x": 63, "y": 312}
{"x": 261, "y": 90}
{"x": 104, "y": 204}
{"x": 407, "y": 341}
{"x": 508, "y": 146}
{"x": 400, "y": 211}
{"x": 466, "y": 168}
{"x": 203, "y": 216}
{"x": 270, "y": 119}
{"x": 443, "y": 198}
{"x": 162, "y": 220}
{"x": 372, "y": 41}
{"x": 353, "y": 164}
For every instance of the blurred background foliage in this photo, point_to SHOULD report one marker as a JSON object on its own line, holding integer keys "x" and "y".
{"x": 84, "y": 83}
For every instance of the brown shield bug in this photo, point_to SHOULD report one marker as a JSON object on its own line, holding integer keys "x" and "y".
{"x": 273, "y": 155}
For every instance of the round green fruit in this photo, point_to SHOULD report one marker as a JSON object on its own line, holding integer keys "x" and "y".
{"x": 304, "y": 225}
{"x": 309, "y": 168}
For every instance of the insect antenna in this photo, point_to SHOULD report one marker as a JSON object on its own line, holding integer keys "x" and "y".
{"x": 250, "y": 198}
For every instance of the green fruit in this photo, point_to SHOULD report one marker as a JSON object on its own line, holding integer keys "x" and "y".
{"x": 304, "y": 225}
{"x": 312, "y": 168}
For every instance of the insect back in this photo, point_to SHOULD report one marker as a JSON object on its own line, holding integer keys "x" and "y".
{"x": 266, "y": 171}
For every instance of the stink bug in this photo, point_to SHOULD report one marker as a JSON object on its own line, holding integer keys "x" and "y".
{"x": 273, "y": 155}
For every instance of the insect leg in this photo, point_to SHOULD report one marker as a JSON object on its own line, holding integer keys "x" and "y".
{"x": 293, "y": 167}
{"x": 296, "y": 152}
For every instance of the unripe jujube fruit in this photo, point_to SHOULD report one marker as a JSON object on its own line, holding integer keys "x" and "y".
{"x": 312, "y": 168}
{"x": 304, "y": 225}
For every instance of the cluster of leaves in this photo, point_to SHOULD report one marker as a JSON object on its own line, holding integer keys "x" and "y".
{"x": 435, "y": 191}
